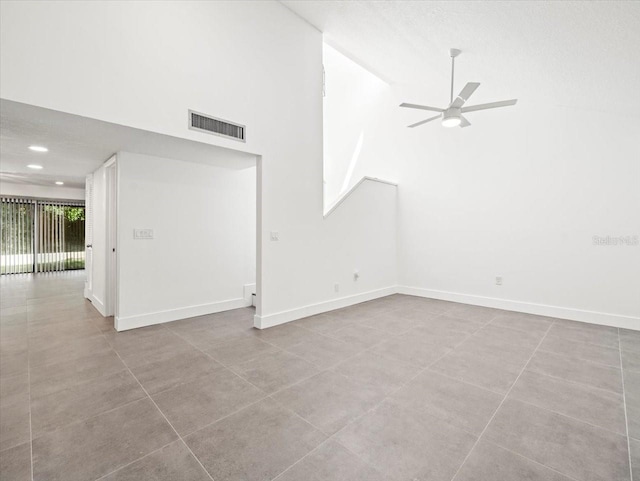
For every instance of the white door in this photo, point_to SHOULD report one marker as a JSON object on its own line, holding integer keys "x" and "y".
{"x": 88, "y": 237}
{"x": 111, "y": 264}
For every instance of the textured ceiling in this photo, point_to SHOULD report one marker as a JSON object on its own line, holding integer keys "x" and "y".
{"x": 579, "y": 54}
{"x": 78, "y": 146}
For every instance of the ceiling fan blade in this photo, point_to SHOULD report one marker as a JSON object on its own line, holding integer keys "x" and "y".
{"x": 464, "y": 95}
{"x": 424, "y": 121}
{"x": 421, "y": 107}
{"x": 464, "y": 122}
{"x": 492, "y": 105}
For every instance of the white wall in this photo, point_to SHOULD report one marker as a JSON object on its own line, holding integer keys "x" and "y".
{"x": 520, "y": 194}
{"x": 354, "y": 109}
{"x": 204, "y": 248}
{"x": 359, "y": 235}
{"x": 41, "y": 191}
{"x": 144, "y": 64}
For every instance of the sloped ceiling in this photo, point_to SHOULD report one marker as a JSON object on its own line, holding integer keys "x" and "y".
{"x": 577, "y": 54}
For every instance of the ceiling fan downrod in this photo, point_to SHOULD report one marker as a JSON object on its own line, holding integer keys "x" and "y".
{"x": 454, "y": 52}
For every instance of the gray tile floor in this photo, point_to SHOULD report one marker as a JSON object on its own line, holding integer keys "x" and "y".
{"x": 400, "y": 388}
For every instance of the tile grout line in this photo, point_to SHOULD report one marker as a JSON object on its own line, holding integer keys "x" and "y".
{"x": 270, "y": 396}
{"x": 159, "y": 410}
{"x": 501, "y": 403}
{"x": 624, "y": 401}
{"x": 535, "y": 405}
{"x": 374, "y": 407}
{"x": 29, "y": 392}
{"x": 135, "y": 460}
{"x": 534, "y": 462}
{"x": 581, "y": 359}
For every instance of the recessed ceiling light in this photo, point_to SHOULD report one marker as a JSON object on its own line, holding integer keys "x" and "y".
{"x": 59, "y": 183}
{"x": 34, "y": 166}
{"x": 38, "y": 148}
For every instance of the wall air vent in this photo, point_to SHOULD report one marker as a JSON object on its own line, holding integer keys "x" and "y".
{"x": 215, "y": 126}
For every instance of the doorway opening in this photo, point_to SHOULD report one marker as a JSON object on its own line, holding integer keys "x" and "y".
{"x": 40, "y": 235}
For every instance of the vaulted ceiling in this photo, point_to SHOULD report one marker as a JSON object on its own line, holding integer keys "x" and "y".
{"x": 583, "y": 54}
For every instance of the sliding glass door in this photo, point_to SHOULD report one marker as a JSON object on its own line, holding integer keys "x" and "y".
{"x": 17, "y": 235}
{"x": 42, "y": 235}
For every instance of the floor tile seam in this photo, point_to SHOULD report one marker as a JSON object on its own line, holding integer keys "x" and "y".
{"x": 576, "y": 382}
{"x": 135, "y": 461}
{"x": 626, "y": 415}
{"x": 223, "y": 418}
{"x": 349, "y": 321}
{"x": 329, "y": 438}
{"x": 582, "y": 421}
{"x": 80, "y": 317}
{"x": 97, "y": 351}
{"x": 533, "y": 461}
{"x": 226, "y": 367}
{"x": 495, "y": 412}
{"x": 388, "y": 396}
{"x": 578, "y": 358}
{"x": 80, "y": 421}
{"x": 585, "y": 343}
{"x": 163, "y": 415}
{"x": 29, "y": 400}
{"x": 81, "y": 383}
{"x": 582, "y": 385}
{"x": 230, "y": 368}
{"x": 566, "y": 338}
{"x": 351, "y": 324}
{"x": 511, "y": 328}
{"x": 464, "y": 381}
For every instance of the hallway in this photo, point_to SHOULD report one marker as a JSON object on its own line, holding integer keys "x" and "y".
{"x": 396, "y": 388}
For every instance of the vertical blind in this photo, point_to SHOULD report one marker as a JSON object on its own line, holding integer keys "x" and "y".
{"x": 17, "y": 233}
{"x": 41, "y": 236}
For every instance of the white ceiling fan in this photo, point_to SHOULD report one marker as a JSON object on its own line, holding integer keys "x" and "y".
{"x": 452, "y": 115}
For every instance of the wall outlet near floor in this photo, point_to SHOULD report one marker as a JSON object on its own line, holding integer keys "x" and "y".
{"x": 498, "y": 280}
{"x": 275, "y": 236}
{"x": 336, "y": 287}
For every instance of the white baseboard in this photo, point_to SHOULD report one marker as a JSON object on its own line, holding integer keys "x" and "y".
{"x": 270, "y": 320}
{"x": 143, "y": 320}
{"x": 98, "y": 304}
{"x": 592, "y": 317}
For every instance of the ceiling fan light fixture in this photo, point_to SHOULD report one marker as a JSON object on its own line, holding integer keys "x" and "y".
{"x": 451, "y": 117}
{"x": 451, "y": 122}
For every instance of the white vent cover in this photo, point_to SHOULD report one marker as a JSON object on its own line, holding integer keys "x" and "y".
{"x": 212, "y": 125}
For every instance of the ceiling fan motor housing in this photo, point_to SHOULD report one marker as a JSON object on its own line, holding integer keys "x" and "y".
{"x": 451, "y": 113}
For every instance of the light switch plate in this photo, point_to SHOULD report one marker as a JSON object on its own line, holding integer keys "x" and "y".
{"x": 143, "y": 233}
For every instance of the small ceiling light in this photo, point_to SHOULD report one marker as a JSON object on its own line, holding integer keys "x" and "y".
{"x": 34, "y": 166}
{"x": 59, "y": 183}
{"x": 38, "y": 148}
{"x": 451, "y": 122}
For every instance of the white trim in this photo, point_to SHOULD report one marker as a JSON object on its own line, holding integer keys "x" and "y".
{"x": 98, "y": 305}
{"x": 263, "y": 322}
{"x": 591, "y": 317}
{"x": 344, "y": 197}
{"x": 149, "y": 319}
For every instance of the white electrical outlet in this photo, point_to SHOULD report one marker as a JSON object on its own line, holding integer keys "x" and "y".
{"x": 498, "y": 280}
{"x": 336, "y": 287}
{"x": 275, "y": 236}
